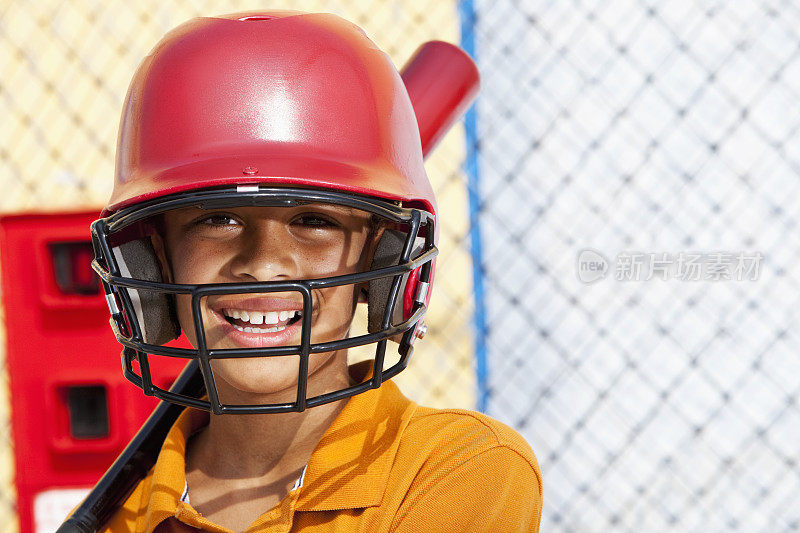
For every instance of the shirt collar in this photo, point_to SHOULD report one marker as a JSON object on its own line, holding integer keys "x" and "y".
{"x": 350, "y": 466}
{"x": 348, "y": 469}
{"x": 168, "y": 479}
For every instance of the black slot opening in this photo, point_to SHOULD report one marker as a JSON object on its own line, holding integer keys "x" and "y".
{"x": 72, "y": 262}
{"x": 88, "y": 412}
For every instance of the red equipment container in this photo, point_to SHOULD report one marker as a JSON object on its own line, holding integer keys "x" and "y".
{"x": 72, "y": 412}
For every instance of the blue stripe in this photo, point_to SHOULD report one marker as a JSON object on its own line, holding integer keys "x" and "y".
{"x": 466, "y": 12}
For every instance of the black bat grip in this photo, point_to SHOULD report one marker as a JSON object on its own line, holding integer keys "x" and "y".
{"x": 76, "y": 525}
{"x": 134, "y": 462}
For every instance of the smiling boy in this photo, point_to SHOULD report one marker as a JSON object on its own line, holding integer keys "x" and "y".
{"x": 269, "y": 180}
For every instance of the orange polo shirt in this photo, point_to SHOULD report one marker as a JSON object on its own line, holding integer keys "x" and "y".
{"x": 384, "y": 464}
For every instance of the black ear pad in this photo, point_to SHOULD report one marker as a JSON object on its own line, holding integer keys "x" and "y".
{"x": 155, "y": 311}
{"x": 387, "y": 253}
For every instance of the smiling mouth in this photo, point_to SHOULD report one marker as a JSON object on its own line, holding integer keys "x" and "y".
{"x": 261, "y": 321}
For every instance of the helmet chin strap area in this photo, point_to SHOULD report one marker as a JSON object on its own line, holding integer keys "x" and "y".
{"x": 155, "y": 311}
{"x": 387, "y": 253}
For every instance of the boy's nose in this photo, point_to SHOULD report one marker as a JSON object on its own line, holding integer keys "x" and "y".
{"x": 266, "y": 254}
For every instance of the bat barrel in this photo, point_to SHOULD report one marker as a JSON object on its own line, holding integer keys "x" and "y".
{"x": 442, "y": 81}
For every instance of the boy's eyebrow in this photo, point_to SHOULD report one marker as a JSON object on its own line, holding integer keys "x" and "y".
{"x": 341, "y": 208}
{"x": 333, "y": 206}
{"x": 347, "y": 209}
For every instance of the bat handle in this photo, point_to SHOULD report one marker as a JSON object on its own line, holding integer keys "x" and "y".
{"x": 442, "y": 81}
{"x": 73, "y": 525}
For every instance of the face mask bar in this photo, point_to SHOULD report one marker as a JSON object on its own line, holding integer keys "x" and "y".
{"x": 128, "y": 331}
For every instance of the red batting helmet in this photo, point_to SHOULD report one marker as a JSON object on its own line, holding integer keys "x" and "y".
{"x": 273, "y": 98}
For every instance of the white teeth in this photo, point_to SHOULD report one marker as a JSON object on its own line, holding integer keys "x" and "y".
{"x": 260, "y": 330}
{"x": 257, "y": 318}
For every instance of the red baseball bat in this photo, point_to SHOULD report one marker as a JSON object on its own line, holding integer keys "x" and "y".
{"x": 442, "y": 82}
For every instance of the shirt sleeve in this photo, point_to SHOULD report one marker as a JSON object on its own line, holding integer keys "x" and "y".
{"x": 497, "y": 490}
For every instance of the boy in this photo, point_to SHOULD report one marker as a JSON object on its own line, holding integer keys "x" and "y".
{"x": 269, "y": 179}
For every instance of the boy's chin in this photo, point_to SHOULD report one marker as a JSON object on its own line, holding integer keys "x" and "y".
{"x": 241, "y": 381}
{"x": 256, "y": 377}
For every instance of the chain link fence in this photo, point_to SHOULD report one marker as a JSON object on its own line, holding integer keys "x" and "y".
{"x": 619, "y": 140}
{"x": 614, "y": 144}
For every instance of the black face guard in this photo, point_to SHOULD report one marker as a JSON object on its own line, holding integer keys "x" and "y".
{"x": 131, "y": 315}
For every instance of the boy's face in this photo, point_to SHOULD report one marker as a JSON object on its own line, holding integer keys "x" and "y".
{"x": 247, "y": 244}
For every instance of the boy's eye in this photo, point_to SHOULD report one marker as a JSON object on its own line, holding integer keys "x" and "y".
{"x": 314, "y": 220}
{"x": 218, "y": 219}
